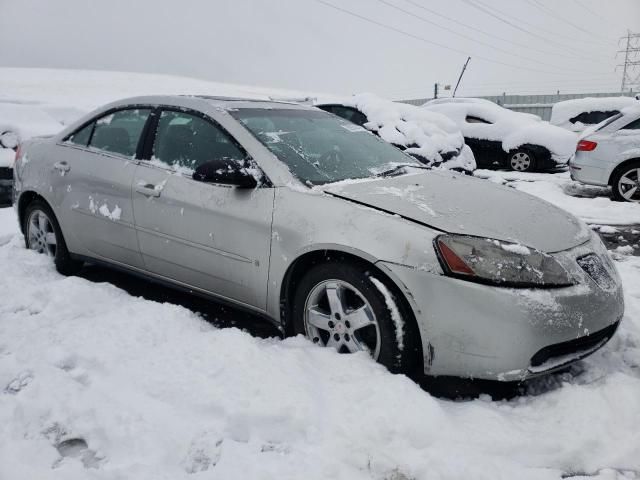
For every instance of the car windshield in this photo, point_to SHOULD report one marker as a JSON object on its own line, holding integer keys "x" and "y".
{"x": 319, "y": 147}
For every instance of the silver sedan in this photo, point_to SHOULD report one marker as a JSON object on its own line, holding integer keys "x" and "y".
{"x": 325, "y": 230}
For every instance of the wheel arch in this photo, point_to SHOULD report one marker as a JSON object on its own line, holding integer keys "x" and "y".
{"x": 302, "y": 263}
{"x": 621, "y": 166}
{"x": 23, "y": 202}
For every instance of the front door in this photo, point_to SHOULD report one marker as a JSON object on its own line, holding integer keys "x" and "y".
{"x": 213, "y": 237}
{"x": 92, "y": 185}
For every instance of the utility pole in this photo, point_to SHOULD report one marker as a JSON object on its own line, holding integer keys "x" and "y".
{"x": 435, "y": 90}
{"x": 630, "y": 70}
{"x": 460, "y": 77}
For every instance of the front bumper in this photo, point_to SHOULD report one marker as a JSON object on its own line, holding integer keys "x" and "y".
{"x": 479, "y": 331}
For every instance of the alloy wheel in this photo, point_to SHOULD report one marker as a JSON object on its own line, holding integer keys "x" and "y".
{"x": 41, "y": 235}
{"x": 338, "y": 315}
{"x": 629, "y": 185}
{"x": 520, "y": 161}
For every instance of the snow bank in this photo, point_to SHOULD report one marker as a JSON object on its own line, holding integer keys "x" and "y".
{"x": 564, "y": 111}
{"x": 513, "y": 129}
{"x": 422, "y": 133}
{"x": 97, "y": 384}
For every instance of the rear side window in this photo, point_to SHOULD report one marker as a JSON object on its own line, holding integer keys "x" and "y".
{"x": 593, "y": 118}
{"x": 472, "y": 119}
{"x": 119, "y": 132}
{"x": 635, "y": 125}
{"x": 185, "y": 141}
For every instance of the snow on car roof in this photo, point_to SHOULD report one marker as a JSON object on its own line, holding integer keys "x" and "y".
{"x": 562, "y": 112}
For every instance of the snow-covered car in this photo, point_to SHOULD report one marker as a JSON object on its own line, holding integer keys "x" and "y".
{"x": 609, "y": 154}
{"x": 324, "y": 229}
{"x": 501, "y": 138}
{"x": 8, "y": 143}
{"x": 581, "y": 113}
{"x": 428, "y": 136}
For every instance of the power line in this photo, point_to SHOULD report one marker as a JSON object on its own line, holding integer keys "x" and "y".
{"x": 475, "y": 40}
{"x": 599, "y": 16}
{"x": 431, "y": 42}
{"x": 543, "y": 8}
{"x": 507, "y": 19}
{"x": 488, "y": 34}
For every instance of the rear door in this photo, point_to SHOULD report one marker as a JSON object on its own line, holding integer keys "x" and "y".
{"x": 215, "y": 238}
{"x": 92, "y": 182}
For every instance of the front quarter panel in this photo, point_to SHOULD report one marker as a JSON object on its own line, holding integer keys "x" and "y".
{"x": 308, "y": 220}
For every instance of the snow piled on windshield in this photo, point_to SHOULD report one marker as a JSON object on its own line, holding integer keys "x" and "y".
{"x": 563, "y": 111}
{"x": 98, "y": 384}
{"x": 512, "y": 129}
{"x": 423, "y": 133}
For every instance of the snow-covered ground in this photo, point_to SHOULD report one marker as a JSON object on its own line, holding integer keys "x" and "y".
{"x": 95, "y": 383}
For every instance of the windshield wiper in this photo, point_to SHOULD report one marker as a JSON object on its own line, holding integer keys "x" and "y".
{"x": 397, "y": 169}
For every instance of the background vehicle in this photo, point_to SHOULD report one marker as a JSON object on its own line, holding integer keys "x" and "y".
{"x": 324, "y": 229}
{"x": 501, "y": 138}
{"x": 609, "y": 154}
{"x": 578, "y": 114}
{"x": 8, "y": 144}
{"x": 428, "y": 136}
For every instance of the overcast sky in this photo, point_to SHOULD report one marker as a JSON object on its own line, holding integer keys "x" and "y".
{"x": 396, "y": 48}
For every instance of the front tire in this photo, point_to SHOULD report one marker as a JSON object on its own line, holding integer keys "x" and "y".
{"x": 349, "y": 307}
{"x": 522, "y": 160}
{"x": 625, "y": 183}
{"x": 42, "y": 234}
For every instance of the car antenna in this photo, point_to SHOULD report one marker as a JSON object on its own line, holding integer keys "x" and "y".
{"x": 460, "y": 77}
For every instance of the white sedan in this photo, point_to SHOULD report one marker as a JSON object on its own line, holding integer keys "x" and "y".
{"x": 609, "y": 154}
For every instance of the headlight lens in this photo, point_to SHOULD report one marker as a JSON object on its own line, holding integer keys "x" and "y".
{"x": 486, "y": 260}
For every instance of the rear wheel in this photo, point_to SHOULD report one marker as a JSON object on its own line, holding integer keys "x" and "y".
{"x": 625, "y": 183}
{"x": 43, "y": 235}
{"x": 347, "y": 307}
{"x": 522, "y": 161}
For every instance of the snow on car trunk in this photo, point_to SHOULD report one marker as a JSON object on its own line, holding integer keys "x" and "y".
{"x": 422, "y": 133}
{"x": 488, "y": 121}
{"x": 95, "y": 383}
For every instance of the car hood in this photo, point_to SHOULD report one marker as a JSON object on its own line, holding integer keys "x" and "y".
{"x": 461, "y": 204}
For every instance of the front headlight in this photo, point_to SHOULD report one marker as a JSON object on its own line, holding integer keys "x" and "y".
{"x": 495, "y": 262}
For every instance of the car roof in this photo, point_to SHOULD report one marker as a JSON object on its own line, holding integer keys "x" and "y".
{"x": 216, "y": 101}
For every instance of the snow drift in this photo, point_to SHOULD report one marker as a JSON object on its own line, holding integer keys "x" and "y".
{"x": 512, "y": 129}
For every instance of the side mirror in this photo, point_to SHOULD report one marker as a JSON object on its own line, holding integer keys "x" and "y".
{"x": 226, "y": 171}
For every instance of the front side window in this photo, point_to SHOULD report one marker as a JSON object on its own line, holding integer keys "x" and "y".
{"x": 119, "y": 132}
{"x": 472, "y": 119}
{"x": 318, "y": 147}
{"x": 185, "y": 141}
{"x": 82, "y": 136}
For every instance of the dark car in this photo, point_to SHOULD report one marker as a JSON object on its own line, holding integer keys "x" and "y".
{"x": 8, "y": 146}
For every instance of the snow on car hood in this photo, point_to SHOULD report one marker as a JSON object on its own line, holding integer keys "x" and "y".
{"x": 421, "y": 132}
{"x": 513, "y": 129}
{"x": 461, "y": 204}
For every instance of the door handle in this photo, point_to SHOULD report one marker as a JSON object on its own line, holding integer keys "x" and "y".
{"x": 147, "y": 190}
{"x": 62, "y": 166}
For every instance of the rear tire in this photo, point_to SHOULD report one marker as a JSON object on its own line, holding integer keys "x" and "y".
{"x": 42, "y": 234}
{"x": 366, "y": 316}
{"x": 521, "y": 160}
{"x": 622, "y": 183}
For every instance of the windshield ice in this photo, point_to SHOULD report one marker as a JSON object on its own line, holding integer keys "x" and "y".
{"x": 319, "y": 147}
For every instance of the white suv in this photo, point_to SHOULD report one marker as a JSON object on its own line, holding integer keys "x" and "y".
{"x": 609, "y": 154}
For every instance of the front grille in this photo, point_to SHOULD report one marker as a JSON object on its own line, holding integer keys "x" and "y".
{"x": 582, "y": 344}
{"x": 6, "y": 173}
{"x": 592, "y": 264}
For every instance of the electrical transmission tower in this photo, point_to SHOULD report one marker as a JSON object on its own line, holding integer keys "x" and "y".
{"x": 631, "y": 65}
